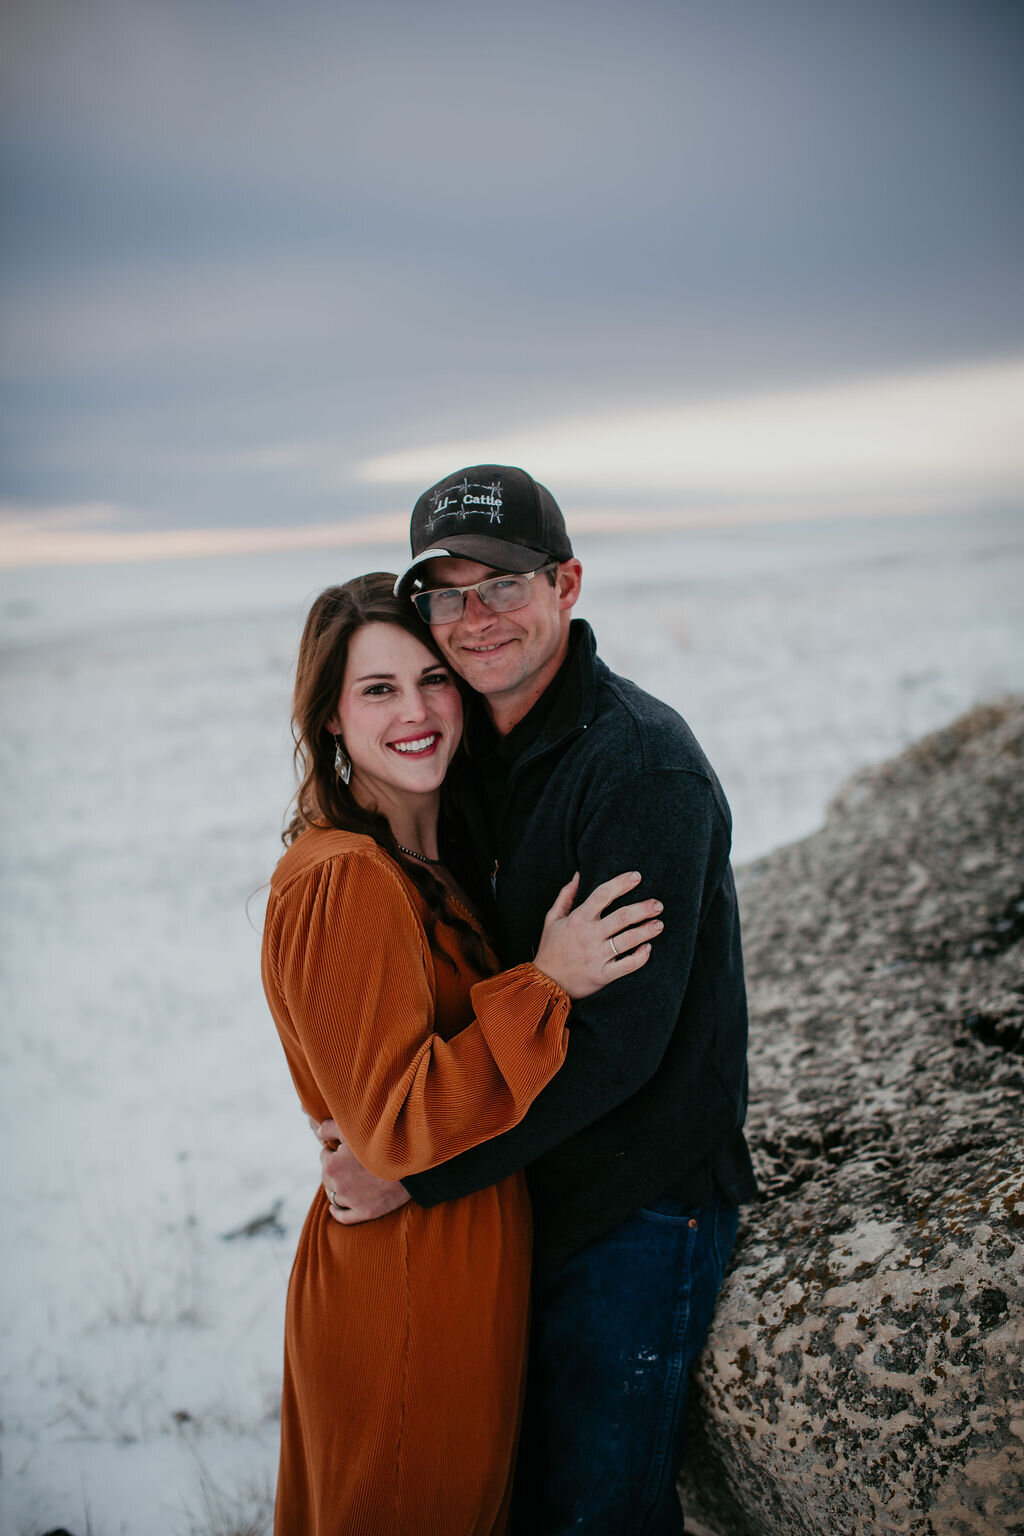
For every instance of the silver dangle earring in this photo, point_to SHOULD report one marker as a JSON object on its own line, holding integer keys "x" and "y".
{"x": 342, "y": 764}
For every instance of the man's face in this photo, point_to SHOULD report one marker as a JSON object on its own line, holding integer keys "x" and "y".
{"x": 510, "y": 658}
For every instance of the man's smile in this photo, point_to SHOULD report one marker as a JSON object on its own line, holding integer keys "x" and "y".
{"x": 483, "y": 650}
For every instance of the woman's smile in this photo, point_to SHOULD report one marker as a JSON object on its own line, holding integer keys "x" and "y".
{"x": 420, "y": 746}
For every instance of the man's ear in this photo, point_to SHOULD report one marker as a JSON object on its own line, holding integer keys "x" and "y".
{"x": 568, "y": 583}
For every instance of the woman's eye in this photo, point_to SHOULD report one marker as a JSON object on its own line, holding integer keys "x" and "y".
{"x": 436, "y": 680}
{"x": 378, "y": 688}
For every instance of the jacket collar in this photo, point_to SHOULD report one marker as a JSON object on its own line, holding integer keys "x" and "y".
{"x": 575, "y": 701}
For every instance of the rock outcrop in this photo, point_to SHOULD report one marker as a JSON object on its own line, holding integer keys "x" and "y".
{"x": 865, "y": 1371}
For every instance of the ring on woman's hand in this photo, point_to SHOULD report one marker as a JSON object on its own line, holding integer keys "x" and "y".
{"x": 614, "y": 950}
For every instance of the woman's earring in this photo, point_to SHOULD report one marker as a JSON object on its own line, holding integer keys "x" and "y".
{"x": 342, "y": 764}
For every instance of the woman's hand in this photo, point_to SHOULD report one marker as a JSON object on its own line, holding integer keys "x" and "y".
{"x": 355, "y": 1194}
{"x": 583, "y": 950}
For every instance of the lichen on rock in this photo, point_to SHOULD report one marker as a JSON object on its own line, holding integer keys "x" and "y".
{"x": 865, "y": 1371}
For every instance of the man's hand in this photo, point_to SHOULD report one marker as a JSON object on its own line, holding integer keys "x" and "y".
{"x": 354, "y": 1194}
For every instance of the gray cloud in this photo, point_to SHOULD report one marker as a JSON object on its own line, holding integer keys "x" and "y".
{"x": 229, "y": 224}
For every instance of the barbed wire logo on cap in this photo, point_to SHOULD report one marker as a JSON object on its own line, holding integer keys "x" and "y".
{"x": 464, "y": 500}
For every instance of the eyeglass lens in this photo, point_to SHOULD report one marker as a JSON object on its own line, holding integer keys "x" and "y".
{"x": 502, "y": 594}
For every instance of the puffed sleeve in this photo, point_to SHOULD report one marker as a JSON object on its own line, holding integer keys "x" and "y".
{"x": 349, "y": 981}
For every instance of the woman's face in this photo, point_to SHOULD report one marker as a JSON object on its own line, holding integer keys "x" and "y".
{"x": 399, "y": 714}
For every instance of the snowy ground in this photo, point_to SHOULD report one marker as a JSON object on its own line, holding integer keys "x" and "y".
{"x": 145, "y": 768}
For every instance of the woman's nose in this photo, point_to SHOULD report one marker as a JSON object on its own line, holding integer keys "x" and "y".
{"x": 414, "y": 705}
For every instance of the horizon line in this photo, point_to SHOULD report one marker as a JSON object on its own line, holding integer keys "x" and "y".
{"x": 26, "y": 544}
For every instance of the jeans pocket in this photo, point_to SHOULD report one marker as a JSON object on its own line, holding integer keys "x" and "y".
{"x": 724, "y": 1234}
{"x": 668, "y": 1208}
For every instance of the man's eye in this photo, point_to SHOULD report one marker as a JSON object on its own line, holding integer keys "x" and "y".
{"x": 503, "y": 584}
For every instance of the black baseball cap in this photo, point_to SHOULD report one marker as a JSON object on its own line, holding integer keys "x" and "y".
{"x": 493, "y": 513}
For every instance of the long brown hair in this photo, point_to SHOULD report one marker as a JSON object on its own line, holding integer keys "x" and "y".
{"x": 321, "y": 796}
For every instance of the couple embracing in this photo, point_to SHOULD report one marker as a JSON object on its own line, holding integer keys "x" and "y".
{"x": 479, "y": 791}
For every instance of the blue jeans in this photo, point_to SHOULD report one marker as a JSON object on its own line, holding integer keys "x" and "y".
{"x": 615, "y": 1331}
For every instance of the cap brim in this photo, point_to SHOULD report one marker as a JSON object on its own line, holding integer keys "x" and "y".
{"x": 500, "y": 554}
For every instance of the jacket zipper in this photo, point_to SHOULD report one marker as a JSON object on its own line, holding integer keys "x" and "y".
{"x": 517, "y": 771}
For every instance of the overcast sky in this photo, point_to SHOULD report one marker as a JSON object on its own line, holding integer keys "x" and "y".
{"x": 268, "y": 264}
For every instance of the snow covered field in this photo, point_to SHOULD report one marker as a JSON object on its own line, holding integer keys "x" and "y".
{"x": 147, "y": 1112}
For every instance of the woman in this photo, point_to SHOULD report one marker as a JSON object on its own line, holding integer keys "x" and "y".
{"x": 405, "y": 1337}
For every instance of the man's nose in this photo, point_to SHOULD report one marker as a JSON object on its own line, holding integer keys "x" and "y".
{"x": 476, "y": 612}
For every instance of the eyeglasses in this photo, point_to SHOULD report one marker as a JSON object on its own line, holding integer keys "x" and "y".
{"x": 502, "y": 594}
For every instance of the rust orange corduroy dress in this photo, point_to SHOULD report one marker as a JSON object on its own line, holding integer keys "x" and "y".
{"x": 405, "y": 1337}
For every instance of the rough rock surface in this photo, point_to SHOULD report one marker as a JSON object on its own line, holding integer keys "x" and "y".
{"x": 864, "y": 1372}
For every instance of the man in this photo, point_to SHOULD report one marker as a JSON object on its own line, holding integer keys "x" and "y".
{"x": 634, "y": 1152}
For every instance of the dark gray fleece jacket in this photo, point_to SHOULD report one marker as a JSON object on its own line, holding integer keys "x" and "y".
{"x": 652, "y": 1096}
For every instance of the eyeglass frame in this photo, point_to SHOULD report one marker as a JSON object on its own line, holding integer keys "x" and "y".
{"x": 476, "y": 586}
